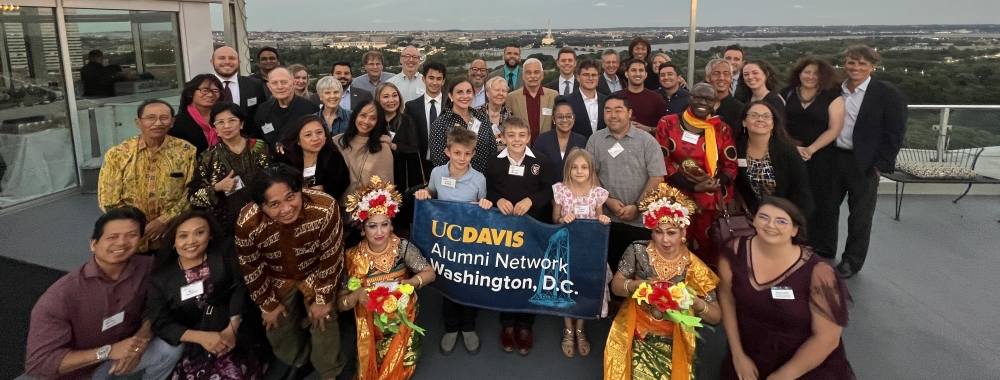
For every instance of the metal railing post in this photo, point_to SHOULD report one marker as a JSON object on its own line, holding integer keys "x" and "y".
{"x": 943, "y": 130}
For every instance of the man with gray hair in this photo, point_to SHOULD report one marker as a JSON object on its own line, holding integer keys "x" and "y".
{"x": 409, "y": 82}
{"x": 533, "y": 102}
{"x": 279, "y": 114}
{"x": 719, "y": 74}
{"x": 610, "y": 81}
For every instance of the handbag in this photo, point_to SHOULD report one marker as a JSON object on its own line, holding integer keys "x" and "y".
{"x": 732, "y": 220}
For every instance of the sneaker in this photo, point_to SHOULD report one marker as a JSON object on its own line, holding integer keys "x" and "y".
{"x": 471, "y": 342}
{"x": 448, "y": 342}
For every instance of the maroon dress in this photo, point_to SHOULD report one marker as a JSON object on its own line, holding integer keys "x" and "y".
{"x": 772, "y": 330}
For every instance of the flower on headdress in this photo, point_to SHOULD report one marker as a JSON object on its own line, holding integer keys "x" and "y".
{"x": 374, "y": 198}
{"x": 665, "y": 204}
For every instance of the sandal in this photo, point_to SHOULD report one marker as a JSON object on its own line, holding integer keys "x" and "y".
{"x": 582, "y": 343}
{"x": 567, "y": 343}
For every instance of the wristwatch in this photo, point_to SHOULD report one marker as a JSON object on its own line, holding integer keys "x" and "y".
{"x": 103, "y": 352}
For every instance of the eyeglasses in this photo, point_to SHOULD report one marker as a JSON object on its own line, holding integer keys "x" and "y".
{"x": 477, "y": 69}
{"x": 589, "y": 75}
{"x": 564, "y": 117}
{"x": 780, "y": 223}
{"x": 758, "y": 116}
{"x": 209, "y": 91}
{"x": 409, "y": 56}
{"x": 151, "y": 119}
{"x": 223, "y": 123}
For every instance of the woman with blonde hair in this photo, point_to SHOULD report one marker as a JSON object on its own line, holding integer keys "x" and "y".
{"x": 300, "y": 82}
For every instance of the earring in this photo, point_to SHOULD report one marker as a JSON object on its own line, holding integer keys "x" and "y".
{"x": 684, "y": 240}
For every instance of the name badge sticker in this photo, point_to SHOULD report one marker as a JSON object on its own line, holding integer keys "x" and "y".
{"x": 448, "y": 182}
{"x": 192, "y": 290}
{"x": 112, "y": 321}
{"x": 546, "y": 112}
{"x": 616, "y": 150}
{"x": 516, "y": 170}
{"x": 251, "y": 102}
{"x": 581, "y": 210}
{"x": 474, "y": 125}
{"x": 267, "y": 128}
{"x": 690, "y": 138}
{"x": 239, "y": 185}
{"x": 742, "y": 162}
{"x": 309, "y": 172}
{"x": 782, "y": 293}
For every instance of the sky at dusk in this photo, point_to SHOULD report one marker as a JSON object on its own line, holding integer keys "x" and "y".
{"x": 389, "y": 15}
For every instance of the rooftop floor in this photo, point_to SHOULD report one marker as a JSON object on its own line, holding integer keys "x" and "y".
{"x": 925, "y": 305}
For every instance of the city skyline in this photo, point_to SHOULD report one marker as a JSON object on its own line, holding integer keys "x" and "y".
{"x": 393, "y": 15}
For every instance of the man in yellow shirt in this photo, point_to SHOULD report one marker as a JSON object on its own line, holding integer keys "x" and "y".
{"x": 150, "y": 172}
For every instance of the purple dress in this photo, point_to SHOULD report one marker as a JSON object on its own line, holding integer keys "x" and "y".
{"x": 772, "y": 330}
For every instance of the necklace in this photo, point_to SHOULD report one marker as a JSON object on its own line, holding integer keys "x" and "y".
{"x": 667, "y": 269}
{"x": 382, "y": 261}
{"x": 798, "y": 94}
{"x": 204, "y": 256}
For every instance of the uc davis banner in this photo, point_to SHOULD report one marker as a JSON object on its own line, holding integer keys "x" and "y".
{"x": 486, "y": 259}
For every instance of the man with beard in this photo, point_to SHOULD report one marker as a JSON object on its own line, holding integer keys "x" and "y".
{"x": 409, "y": 82}
{"x": 244, "y": 91}
{"x": 719, "y": 74}
{"x": 477, "y": 75}
{"x": 511, "y": 70}
{"x": 672, "y": 91}
{"x": 532, "y": 102}
{"x": 352, "y": 94}
{"x": 279, "y": 114}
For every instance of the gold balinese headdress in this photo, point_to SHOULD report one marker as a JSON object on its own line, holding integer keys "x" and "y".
{"x": 374, "y": 198}
{"x": 665, "y": 204}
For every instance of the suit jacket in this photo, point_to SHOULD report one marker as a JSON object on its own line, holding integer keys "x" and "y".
{"x": 187, "y": 129}
{"x": 418, "y": 115}
{"x": 879, "y": 129}
{"x": 555, "y": 84}
{"x": 358, "y": 95}
{"x": 582, "y": 120}
{"x": 790, "y": 176}
{"x": 604, "y": 88}
{"x": 548, "y": 145}
{"x": 251, "y": 88}
{"x": 516, "y": 103}
{"x": 499, "y": 73}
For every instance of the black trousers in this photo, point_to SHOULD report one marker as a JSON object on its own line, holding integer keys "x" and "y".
{"x": 844, "y": 179}
{"x": 517, "y": 320}
{"x": 458, "y": 317}
{"x": 621, "y": 236}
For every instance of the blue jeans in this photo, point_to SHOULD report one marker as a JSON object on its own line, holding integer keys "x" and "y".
{"x": 158, "y": 362}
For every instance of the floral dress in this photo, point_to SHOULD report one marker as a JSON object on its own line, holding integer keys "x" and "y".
{"x": 564, "y": 197}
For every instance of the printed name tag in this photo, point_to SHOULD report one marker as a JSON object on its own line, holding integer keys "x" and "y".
{"x": 392, "y": 135}
{"x": 309, "y": 172}
{"x": 546, "y": 112}
{"x": 267, "y": 128}
{"x": 474, "y": 125}
{"x": 782, "y": 293}
{"x": 516, "y": 170}
{"x": 239, "y": 185}
{"x": 581, "y": 210}
{"x": 690, "y": 138}
{"x": 112, "y": 321}
{"x": 421, "y": 91}
{"x": 251, "y": 102}
{"x": 448, "y": 182}
{"x": 742, "y": 162}
{"x": 192, "y": 290}
{"x": 616, "y": 150}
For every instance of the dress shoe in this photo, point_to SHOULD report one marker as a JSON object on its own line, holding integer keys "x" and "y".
{"x": 448, "y": 342}
{"x": 845, "y": 270}
{"x": 525, "y": 339}
{"x": 507, "y": 339}
{"x": 471, "y": 340}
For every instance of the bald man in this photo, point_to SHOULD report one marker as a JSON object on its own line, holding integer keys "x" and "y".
{"x": 245, "y": 91}
{"x": 279, "y": 114}
{"x": 409, "y": 82}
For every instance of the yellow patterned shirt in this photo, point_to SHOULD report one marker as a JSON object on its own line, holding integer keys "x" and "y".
{"x": 154, "y": 182}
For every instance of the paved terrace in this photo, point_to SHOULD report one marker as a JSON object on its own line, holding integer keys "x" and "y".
{"x": 925, "y": 305}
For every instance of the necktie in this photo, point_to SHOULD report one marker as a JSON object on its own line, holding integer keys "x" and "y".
{"x": 510, "y": 81}
{"x": 227, "y": 94}
{"x": 434, "y": 113}
{"x": 566, "y": 87}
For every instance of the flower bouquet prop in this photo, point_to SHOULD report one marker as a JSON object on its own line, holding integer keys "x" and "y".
{"x": 388, "y": 302}
{"x": 673, "y": 300}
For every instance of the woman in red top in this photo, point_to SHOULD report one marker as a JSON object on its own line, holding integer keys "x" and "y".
{"x": 701, "y": 161}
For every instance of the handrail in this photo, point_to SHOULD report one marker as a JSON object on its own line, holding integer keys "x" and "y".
{"x": 962, "y": 106}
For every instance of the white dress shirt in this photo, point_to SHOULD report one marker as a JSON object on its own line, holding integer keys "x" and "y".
{"x": 506, "y": 154}
{"x": 234, "y": 87}
{"x": 427, "y": 114}
{"x": 591, "y": 104}
{"x": 562, "y": 85}
{"x": 852, "y": 104}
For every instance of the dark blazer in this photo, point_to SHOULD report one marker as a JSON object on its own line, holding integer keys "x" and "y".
{"x": 171, "y": 317}
{"x": 555, "y": 84}
{"x": 879, "y": 129}
{"x": 418, "y": 115}
{"x": 581, "y": 123}
{"x": 547, "y": 144}
{"x": 604, "y": 88}
{"x": 251, "y": 88}
{"x": 331, "y": 169}
{"x": 790, "y": 176}
{"x": 358, "y": 95}
{"x": 407, "y": 168}
{"x": 187, "y": 129}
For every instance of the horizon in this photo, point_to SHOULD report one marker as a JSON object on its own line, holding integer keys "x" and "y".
{"x": 697, "y": 27}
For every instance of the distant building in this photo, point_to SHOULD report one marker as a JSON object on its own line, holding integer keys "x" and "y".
{"x": 548, "y": 40}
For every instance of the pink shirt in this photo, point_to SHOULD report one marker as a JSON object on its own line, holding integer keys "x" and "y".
{"x": 564, "y": 197}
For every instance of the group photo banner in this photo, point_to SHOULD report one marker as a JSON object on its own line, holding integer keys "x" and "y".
{"x": 513, "y": 263}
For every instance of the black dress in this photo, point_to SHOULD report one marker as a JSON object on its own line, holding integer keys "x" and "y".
{"x": 806, "y": 125}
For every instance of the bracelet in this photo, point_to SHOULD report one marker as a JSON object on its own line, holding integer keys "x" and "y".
{"x": 704, "y": 310}
{"x": 344, "y": 301}
{"x": 421, "y": 280}
{"x": 625, "y": 285}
